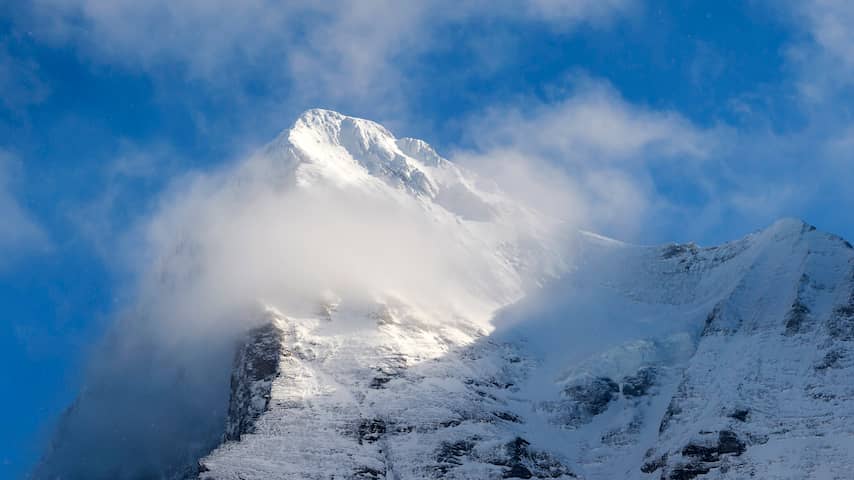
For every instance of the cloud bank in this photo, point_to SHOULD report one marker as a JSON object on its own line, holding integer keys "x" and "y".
{"x": 589, "y": 156}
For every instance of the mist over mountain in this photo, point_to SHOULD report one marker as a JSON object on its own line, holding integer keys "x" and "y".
{"x": 348, "y": 304}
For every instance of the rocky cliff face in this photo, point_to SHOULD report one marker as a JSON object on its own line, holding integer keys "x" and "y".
{"x": 734, "y": 362}
{"x": 256, "y": 365}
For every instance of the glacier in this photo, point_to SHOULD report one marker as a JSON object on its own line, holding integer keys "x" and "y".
{"x": 440, "y": 329}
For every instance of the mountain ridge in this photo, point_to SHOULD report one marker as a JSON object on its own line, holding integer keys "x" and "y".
{"x": 634, "y": 390}
{"x": 415, "y": 324}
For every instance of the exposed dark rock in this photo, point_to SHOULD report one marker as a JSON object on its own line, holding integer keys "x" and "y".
{"x": 390, "y": 368}
{"x": 831, "y": 360}
{"x": 819, "y": 395}
{"x": 379, "y": 382}
{"x": 701, "y": 452}
{"x": 710, "y": 320}
{"x": 796, "y": 317}
{"x": 639, "y": 384}
{"x": 518, "y": 471}
{"x": 484, "y": 394}
{"x": 757, "y": 438}
{"x": 508, "y": 417}
{"x": 368, "y": 473}
{"x": 688, "y": 471}
{"x": 704, "y": 457}
{"x": 728, "y": 442}
{"x": 840, "y": 325}
{"x": 440, "y": 471}
{"x": 655, "y": 464}
{"x": 452, "y": 452}
{"x": 721, "y": 320}
{"x": 625, "y": 433}
{"x": 404, "y": 429}
{"x": 526, "y": 463}
{"x": 594, "y": 397}
{"x": 675, "y": 250}
{"x": 740, "y": 414}
{"x": 673, "y": 409}
{"x": 517, "y": 449}
{"x": 256, "y": 365}
{"x": 487, "y": 383}
{"x": 370, "y": 430}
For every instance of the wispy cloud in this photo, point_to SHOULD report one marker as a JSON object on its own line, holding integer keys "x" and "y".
{"x": 827, "y": 57}
{"x": 19, "y": 82}
{"x": 588, "y": 156}
{"x": 592, "y": 122}
{"x": 340, "y": 49}
{"x": 129, "y": 183}
{"x": 20, "y": 233}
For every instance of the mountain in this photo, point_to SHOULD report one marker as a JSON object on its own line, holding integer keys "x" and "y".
{"x": 442, "y": 330}
{"x": 671, "y": 362}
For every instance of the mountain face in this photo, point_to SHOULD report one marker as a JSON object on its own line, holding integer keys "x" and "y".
{"x": 508, "y": 346}
{"x": 672, "y": 362}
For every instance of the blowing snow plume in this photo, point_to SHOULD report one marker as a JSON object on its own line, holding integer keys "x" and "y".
{"x": 335, "y": 213}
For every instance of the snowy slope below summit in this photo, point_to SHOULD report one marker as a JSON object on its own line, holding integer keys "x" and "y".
{"x": 673, "y": 362}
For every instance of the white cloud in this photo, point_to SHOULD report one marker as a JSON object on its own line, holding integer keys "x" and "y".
{"x": 221, "y": 242}
{"x": 126, "y": 182}
{"x": 587, "y": 157}
{"x": 791, "y": 154}
{"x": 829, "y": 22}
{"x": 340, "y": 49}
{"x": 593, "y": 123}
{"x": 821, "y": 56}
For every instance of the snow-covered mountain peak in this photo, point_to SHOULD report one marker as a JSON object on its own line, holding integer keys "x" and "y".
{"x": 785, "y": 228}
{"x": 390, "y": 216}
{"x": 792, "y": 233}
{"x": 328, "y": 148}
{"x": 348, "y": 151}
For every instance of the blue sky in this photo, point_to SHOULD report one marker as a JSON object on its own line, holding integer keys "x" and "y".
{"x": 666, "y": 121}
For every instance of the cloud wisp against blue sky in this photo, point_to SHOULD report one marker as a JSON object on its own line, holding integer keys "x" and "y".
{"x": 19, "y": 232}
{"x": 649, "y": 121}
